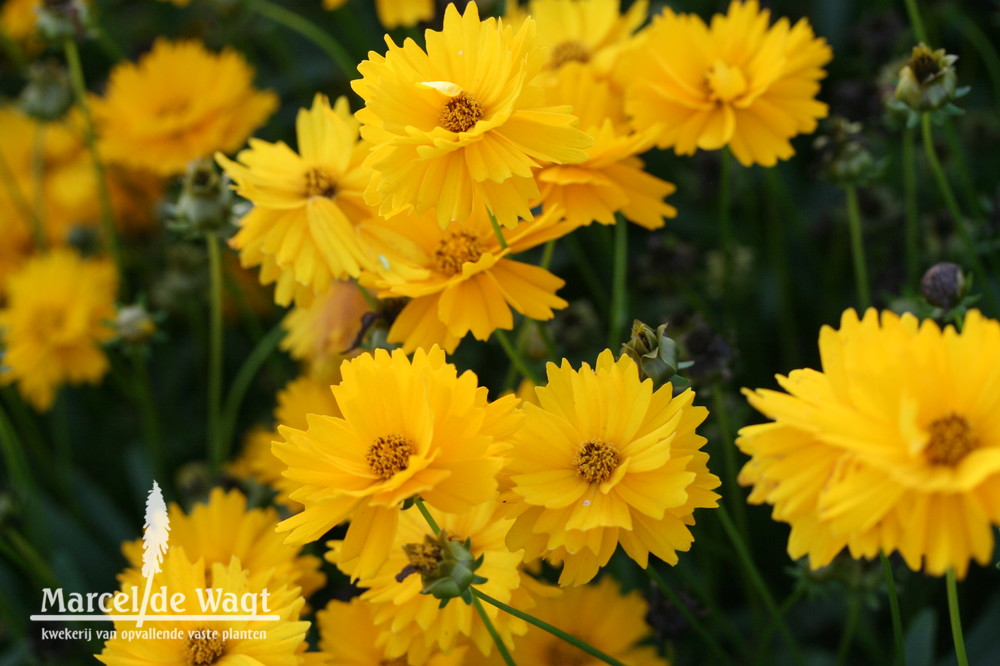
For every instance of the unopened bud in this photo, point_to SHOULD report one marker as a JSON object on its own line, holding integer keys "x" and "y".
{"x": 944, "y": 285}
{"x": 48, "y": 94}
{"x": 206, "y": 201}
{"x": 928, "y": 80}
{"x": 134, "y": 324}
{"x": 654, "y": 351}
{"x": 844, "y": 158}
{"x": 59, "y": 20}
{"x": 447, "y": 567}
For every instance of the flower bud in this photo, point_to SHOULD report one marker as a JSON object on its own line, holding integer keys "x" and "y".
{"x": 654, "y": 351}
{"x": 844, "y": 158}
{"x": 134, "y": 324}
{"x": 446, "y": 567}
{"x": 59, "y": 20}
{"x": 206, "y": 201}
{"x": 944, "y": 285}
{"x": 928, "y": 80}
{"x": 48, "y": 94}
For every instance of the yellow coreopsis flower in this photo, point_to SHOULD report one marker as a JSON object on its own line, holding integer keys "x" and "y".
{"x": 413, "y": 624}
{"x": 591, "y": 32}
{"x": 613, "y": 178}
{"x": 59, "y": 313}
{"x": 223, "y": 528}
{"x": 610, "y": 621}
{"x": 738, "y": 82}
{"x": 459, "y": 280}
{"x": 894, "y": 445}
{"x": 241, "y": 641}
{"x": 431, "y": 433}
{"x": 307, "y": 205}
{"x": 606, "y": 460}
{"x": 179, "y": 102}
{"x": 460, "y": 126}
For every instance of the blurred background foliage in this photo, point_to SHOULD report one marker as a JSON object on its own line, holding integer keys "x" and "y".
{"x": 792, "y": 275}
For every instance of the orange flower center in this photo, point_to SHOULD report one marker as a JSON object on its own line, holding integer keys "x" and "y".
{"x": 560, "y": 653}
{"x": 461, "y": 113}
{"x": 725, "y": 82}
{"x": 319, "y": 184}
{"x": 204, "y": 650}
{"x": 596, "y": 460}
{"x": 568, "y": 51}
{"x": 389, "y": 455}
{"x": 951, "y": 440}
{"x": 455, "y": 249}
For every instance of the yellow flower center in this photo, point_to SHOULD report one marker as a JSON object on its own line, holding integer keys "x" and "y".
{"x": 568, "y": 51}
{"x": 424, "y": 557}
{"x": 204, "y": 651}
{"x": 319, "y": 184}
{"x": 455, "y": 249}
{"x": 596, "y": 460}
{"x": 951, "y": 440}
{"x": 560, "y": 653}
{"x": 725, "y": 82}
{"x": 389, "y": 455}
{"x": 461, "y": 113}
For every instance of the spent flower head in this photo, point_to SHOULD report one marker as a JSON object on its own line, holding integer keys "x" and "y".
{"x": 928, "y": 80}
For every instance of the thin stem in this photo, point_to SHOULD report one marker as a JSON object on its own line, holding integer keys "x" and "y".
{"x": 147, "y": 413}
{"x": 915, "y": 21}
{"x": 690, "y": 617}
{"x": 778, "y": 214}
{"x": 897, "y": 620}
{"x": 13, "y": 456}
{"x": 597, "y": 290}
{"x": 956, "y": 214}
{"x": 38, "y": 185}
{"x": 365, "y": 294}
{"x": 515, "y": 357}
{"x": 289, "y": 19}
{"x": 547, "y": 252}
{"x": 545, "y": 626}
{"x": 241, "y": 383}
{"x": 107, "y": 213}
{"x": 911, "y": 208}
{"x": 20, "y": 550}
{"x": 783, "y": 609}
{"x": 419, "y": 503}
{"x": 619, "y": 273}
{"x": 975, "y": 36}
{"x": 13, "y": 51}
{"x": 857, "y": 248}
{"x": 501, "y": 648}
{"x": 725, "y": 217}
{"x": 850, "y": 627}
{"x": 729, "y": 459}
{"x": 757, "y": 580}
{"x": 496, "y": 229}
{"x": 956, "y": 620}
{"x": 18, "y": 197}
{"x": 216, "y": 447}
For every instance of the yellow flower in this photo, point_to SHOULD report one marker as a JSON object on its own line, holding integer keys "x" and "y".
{"x": 223, "y": 528}
{"x": 408, "y": 428}
{"x": 322, "y": 332}
{"x": 307, "y": 205}
{"x": 58, "y": 314}
{"x": 349, "y": 636}
{"x": 739, "y": 82}
{"x": 461, "y": 126}
{"x": 275, "y": 643}
{"x": 411, "y": 623}
{"x": 592, "y": 32}
{"x": 178, "y": 103}
{"x": 893, "y": 446}
{"x": 395, "y": 13}
{"x": 608, "y": 620}
{"x": 606, "y": 460}
{"x": 459, "y": 280}
{"x": 612, "y": 179}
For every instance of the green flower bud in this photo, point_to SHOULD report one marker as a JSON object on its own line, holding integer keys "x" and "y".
{"x": 59, "y": 20}
{"x": 48, "y": 94}
{"x": 134, "y": 324}
{"x": 206, "y": 201}
{"x": 654, "y": 352}
{"x": 844, "y": 158}
{"x": 447, "y": 567}
{"x": 928, "y": 80}
{"x": 944, "y": 285}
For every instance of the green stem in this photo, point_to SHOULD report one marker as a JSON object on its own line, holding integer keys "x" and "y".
{"x": 419, "y": 503}
{"x": 726, "y": 236}
{"x": 20, "y": 550}
{"x": 911, "y": 208}
{"x": 148, "y": 414}
{"x": 598, "y": 291}
{"x": 515, "y": 357}
{"x": 778, "y": 212}
{"x": 497, "y": 231}
{"x": 216, "y": 446}
{"x": 975, "y": 36}
{"x": 915, "y": 21}
{"x": 695, "y": 623}
{"x": 547, "y": 252}
{"x": 107, "y": 212}
{"x": 956, "y": 214}
{"x": 783, "y": 609}
{"x": 619, "y": 297}
{"x": 13, "y": 455}
{"x": 17, "y": 197}
{"x": 501, "y": 648}
{"x": 850, "y": 627}
{"x": 241, "y": 383}
{"x": 38, "y": 184}
{"x": 545, "y": 626}
{"x": 757, "y": 580}
{"x": 13, "y": 51}
{"x": 897, "y": 620}
{"x": 289, "y": 19}
{"x": 365, "y": 294}
{"x": 956, "y": 620}
{"x": 729, "y": 460}
{"x": 858, "y": 248}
